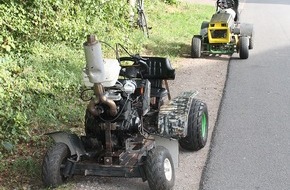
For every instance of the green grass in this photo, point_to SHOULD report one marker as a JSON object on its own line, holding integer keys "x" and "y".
{"x": 46, "y": 83}
{"x": 173, "y": 28}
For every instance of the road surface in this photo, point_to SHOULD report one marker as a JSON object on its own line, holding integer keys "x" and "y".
{"x": 250, "y": 148}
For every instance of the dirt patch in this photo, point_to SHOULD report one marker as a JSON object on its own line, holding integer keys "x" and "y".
{"x": 207, "y": 76}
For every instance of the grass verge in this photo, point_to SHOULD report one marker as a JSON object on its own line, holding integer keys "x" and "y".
{"x": 173, "y": 28}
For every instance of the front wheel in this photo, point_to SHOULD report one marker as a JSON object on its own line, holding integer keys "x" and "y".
{"x": 204, "y": 28}
{"x": 251, "y": 41}
{"x": 244, "y": 47}
{"x": 54, "y": 164}
{"x": 197, "y": 130}
{"x": 196, "y": 47}
{"x": 159, "y": 169}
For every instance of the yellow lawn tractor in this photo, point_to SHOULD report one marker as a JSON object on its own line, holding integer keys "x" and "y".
{"x": 223, "y": 34}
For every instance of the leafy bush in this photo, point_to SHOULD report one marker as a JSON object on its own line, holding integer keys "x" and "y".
{"x": 23, "y": 22}
{"x": 40, "y": 62}
{"x": 39, "y": 93}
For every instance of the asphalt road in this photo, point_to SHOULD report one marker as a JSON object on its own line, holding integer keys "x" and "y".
{"x": 251, "y": 142}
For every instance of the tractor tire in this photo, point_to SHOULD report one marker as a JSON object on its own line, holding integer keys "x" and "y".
{"x": 159, "y": 169}
{"x": 204, "y": 28}
{"x": 251, "y": 41}
{"x": 244, "y": 47}
{"x": 197, "y": 131}
{"x": 53, "y": 165}
{"x": 196, "y": 47}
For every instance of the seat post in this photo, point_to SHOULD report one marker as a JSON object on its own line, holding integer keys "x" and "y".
{"x": 167, "y": 88}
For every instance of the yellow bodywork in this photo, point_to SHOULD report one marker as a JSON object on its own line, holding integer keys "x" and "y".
{"x": 219, "y": 33}
{"x": 220, "y": 28}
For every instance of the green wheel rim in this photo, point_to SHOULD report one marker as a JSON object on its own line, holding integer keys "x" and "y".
{"x": 203, "y": 125}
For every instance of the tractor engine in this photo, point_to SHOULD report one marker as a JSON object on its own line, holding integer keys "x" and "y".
{"x": 124, "y": 123}
{"x": 114, "y": 111}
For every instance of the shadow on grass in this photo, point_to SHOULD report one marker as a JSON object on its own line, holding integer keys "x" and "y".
{"x": 176, "y": 49}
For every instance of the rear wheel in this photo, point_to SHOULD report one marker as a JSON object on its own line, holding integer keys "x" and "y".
{"x": 159, "y": 169}
{"x": 197, "y": 130}
{"x": 54, "y": 165}
{"x": 251, "y": 41}
{"x": 203, "y": 28}
{"x": 195, "y": 47}
{"x": 244, "y": 47}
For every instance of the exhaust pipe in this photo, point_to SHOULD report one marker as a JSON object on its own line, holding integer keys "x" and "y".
{"x": 101, "y": 98}
{"x": 96, "y": 74}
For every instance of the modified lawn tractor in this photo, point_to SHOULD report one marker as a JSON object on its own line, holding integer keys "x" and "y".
{"x": 131, "y": 129}
{"x": 223, "y": 34}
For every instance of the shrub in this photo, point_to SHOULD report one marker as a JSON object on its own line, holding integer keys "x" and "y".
{"x": 40, "y": 62}
{"x": 69, "y": 21}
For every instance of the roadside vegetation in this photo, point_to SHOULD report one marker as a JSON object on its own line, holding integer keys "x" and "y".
{"x": 41, "y": 62}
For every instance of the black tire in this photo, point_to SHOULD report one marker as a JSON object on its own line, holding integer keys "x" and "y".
{"x": 204, "y": 28}
{"x": 53, "y": 165}
{"x": 251, "y": 41}
{"x": 142, "y": 23}
{"x": 159, "y": 169}
{"x": 196, "y": 47}
{"x": 197, "y": 131}
{"x": 244, "y": 47}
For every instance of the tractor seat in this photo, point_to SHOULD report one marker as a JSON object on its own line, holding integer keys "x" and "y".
{"x": 159, "y": 68}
